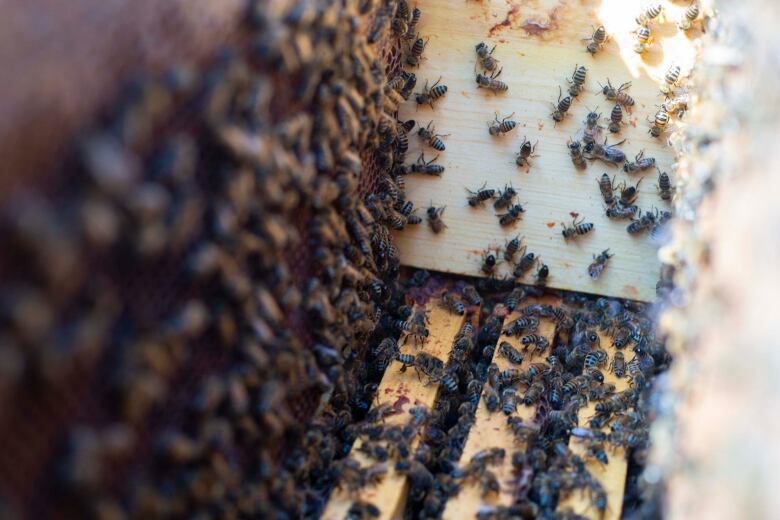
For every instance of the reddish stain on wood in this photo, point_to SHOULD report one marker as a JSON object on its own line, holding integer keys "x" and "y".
{"x": 574, "y": 214}
{"x": 506, "y": 22}
{"x": 551, "y": 225}
{"x": 398, "y": 405}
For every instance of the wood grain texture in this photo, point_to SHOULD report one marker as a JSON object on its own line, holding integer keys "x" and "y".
{"x": 534, "y": 66}
{"x": 612, "y": 476}
{"x": 491, "y": 430}
{"x": 404, "y": 390}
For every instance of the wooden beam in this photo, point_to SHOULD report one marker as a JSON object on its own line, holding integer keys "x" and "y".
{"x": 403, "y": 390}
{"x": 538, "y": 48}
{"x": 490, "y": 430}
{"x": 612, "y": 476}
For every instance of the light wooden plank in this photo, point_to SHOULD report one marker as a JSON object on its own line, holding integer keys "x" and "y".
{"x": 534, "y": 67}
{"x": 612, "y": 476}
{"x": 490, "y": 430}
{"x": 403, "y": 389}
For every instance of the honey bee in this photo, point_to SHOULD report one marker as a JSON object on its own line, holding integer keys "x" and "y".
{"x": 529, "y": 323}
{"x": 504, "y": 126}
{"x": 592, "y": 127}
{"x": 533, "y": 393}
{"x": 516, "y": 296}
{"x": 691, "y": 13}
{"x": 505, "y": 198}
{"x": 525, "y": 264}
{"x": 607, "y": 153}
{"x": 665, "y": 188}
{"x": 452, "y": 304}
{"x": 577, "y": 80}
{"x": 671, "y": 78}
{"x": 597, "y": 40}
{"x": 492, "y": 399}
{"x": 607, "y": 188}
{"x": 659, "y": 123}
{"x": 619, "y": 211}
{"x": 488, "y": 262}
{"x": 677, "y": 105}
{"x": 618, "y": 364}
{"x": 641, "y": 163}
{"x": 477, "y": 198}
{"x": 643, "y": 223}
{"x": 434, "y": 219}
{"x": 511, "y": 248}
{"x": 511, "y": 216}
{"x": 409, "y": 82}
{"x": 429, "y": 95}
{"x": 506, "y": 350}
{"x": 644, "y": 39}
{"x": 421, "y": 166}
{"x": 649, "y": 13}
{"x": 542, "y": 274}
{"x": 402, "y": 11}
{"x": 431, "y": 138}
{"x": 563, "y": 105}
{"x": 413, "y": 21}
{"x": 525, "y": 153}
{"x": 415, "y": 52}
{"x": 615, "y": 118}
{"x": 399, "y": 26}
{"x": 618, "y": 95}
{"x": 509, "y": 400}
{"x": 576, "y": 229}
{"x": 485, "y": 57}
{"x": 599, "y": 263}
{"x": 575, "y": 152}
{"x": 472, "y": 391}
{"x": 471, "y": 295}
{"x": 491, "y": 83}
{"x": 628, "y": 194}
{"x": 362, "y": 510}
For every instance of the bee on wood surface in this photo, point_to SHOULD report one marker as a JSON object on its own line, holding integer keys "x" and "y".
{"x": 525, "y": 153}
{"x": 485, "y": 58}
{"x": 509, "y": 400}
{"x": 505, "y": 197}
{"x": 597, "y": 40}
{"x": 471, "y": 295}
{"x": 592, "y": 129}
{"x": 665, "y": 188}
{"x": 561, "y": 108}
{"x": 529, "y": 323}
{"x": 492, "y": 399}
{"x": 429, "y": 95}
{"x": 413, "y": 21}
{"x": 512, "y": 355}
{"x": 607, "y": 188}
{"x": 533, "y": 393}
{"x": 488, "y": 262}
{"x": 671, "y": 78}
{"x": 516, "y": 296}
{"x": 491, "y": 83}
{"x": 618, "y": 211}
{"x": 607, "y": 153}
{"x": 628, "y": 194}
{"x": 472, "y": 391}
{"x": 511, "y": 216}
{"x": 511, "y": 248}
{"x": 677, "y": 105}
{"x": 618, "y": 364}
{"x": 431, "y": 138}
{"x": 525, "y": 264}
{"x": 690, "y": 15}
{"x": 640, "y": 163}
{"x": 599, "y": 263}
{"x": 402, "y": 11}
{"x": 415, "y": 52}
{"x": 643, "y": 223}
{"x": 576, "y": 229}
{"x": 644, "y": 39}
{"x": 542, "y": 274}
{"x": 618, "y": 95}
{"x": 575, "y": 152}
{"x": 504, "y": 126}
{"x": 452, "y": 304}
{"x": 659, "y": 123}
{"x": 649, "y": 13}
{"x": 615, "y": 118}
{"x": 478, "y": 197}
{"x": 409, "y": 82}
{"x": 577, "y": 80}
{"x": 429, "y": 366}
{"x": 434, "y": 219}
{"x": 399, "y": 26}
{"x": 421, "y": 166}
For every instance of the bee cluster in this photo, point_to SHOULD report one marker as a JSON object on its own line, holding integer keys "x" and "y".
{"x": 220, "y": 255}
{"x": 566, "y": 373}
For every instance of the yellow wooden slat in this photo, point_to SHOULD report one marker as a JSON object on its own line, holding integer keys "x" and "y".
{"x": 490, "y": 430}
{"x": 404, "y": 389}
{"x": 612, "y": 476}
